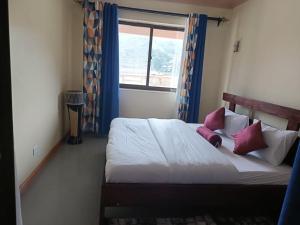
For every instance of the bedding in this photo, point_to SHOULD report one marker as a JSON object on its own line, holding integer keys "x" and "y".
{"x": 163, "y": 151}
{"x": 279, "y": 142}
{"x": 234, "y": 123}
{"x": 249, "y": 139}
{"x": 215, "y": 120}
{"x": 170, "y": 151}
{"x": 210, "y": 136}
{"x": 251, "y": 169}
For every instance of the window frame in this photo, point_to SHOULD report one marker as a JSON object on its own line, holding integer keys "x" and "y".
{"x": 152, "y": 27}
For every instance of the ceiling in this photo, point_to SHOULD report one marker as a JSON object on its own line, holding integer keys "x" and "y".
{"x": 227, "y": 4}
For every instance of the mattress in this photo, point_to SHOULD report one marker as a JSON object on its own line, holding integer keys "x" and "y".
{"x": 170, "y": 151}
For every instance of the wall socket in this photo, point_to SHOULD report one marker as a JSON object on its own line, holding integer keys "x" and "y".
{"x": 36, "y": 151}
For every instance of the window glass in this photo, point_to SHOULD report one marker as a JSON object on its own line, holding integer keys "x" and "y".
{"x": 133, "y": 53}
{"x": 166, "y": 58}
{"x": 164, "y": 63}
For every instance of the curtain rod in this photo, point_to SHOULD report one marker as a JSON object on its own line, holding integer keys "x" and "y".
{"x": 219, "y": 20}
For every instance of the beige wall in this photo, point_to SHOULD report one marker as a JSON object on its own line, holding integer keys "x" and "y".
{"x": 267, "y": 66}
{"x": 40, "y": 35}
{"x": 165, "y": 106}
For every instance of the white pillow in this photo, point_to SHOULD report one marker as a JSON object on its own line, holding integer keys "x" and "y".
{"x": 234, "y": 122}
{"x": 279, "y": 142}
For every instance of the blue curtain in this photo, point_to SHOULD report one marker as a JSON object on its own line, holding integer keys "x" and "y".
{"x": 190, "y": 87}
{"x": 109, "y": 84}
{"x": 195, "y": 91}
{"x": 291, "y": 205}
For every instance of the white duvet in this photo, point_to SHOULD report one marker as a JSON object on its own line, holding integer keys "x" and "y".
{"x": 163, "y": 151}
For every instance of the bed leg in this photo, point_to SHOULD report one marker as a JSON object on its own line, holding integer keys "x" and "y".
{"x": 102, "y": 220}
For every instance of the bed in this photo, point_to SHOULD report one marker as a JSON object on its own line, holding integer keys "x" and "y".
{"x": 154, "y": 162}
{"x": 171, "y": 151}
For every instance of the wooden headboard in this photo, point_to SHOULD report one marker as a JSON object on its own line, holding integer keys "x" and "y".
{"x": 292, "y": 115}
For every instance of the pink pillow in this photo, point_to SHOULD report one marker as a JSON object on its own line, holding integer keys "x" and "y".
{"x": 215, "y": 120}
{"x": 249, "y": 139}
{"x": 210, "y": 136}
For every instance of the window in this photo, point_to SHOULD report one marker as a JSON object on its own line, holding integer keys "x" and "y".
{"x": 150, "y": 56}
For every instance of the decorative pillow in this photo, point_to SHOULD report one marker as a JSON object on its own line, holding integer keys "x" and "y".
{"x": 249, "y": 139}
{"x": 279, "y": 142}
{"x": 234, "y": 123}
{"x": 210, "y": 136}
{"x": 215, "y": 120}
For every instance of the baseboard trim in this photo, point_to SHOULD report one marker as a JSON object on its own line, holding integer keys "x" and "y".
{"x": 28, "y": 181}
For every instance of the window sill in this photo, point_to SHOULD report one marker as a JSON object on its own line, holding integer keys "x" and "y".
{"x": 147, "y": 88}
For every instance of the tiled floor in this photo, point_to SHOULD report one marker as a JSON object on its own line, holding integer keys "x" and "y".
{"x": 67, "y": 191}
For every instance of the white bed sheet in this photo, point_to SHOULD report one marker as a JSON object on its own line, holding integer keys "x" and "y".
{"x": 132, "y": 153}
{"x": 163, "y": 151}
{"x": 139, "y": 151}
{"x": 252, "y": 170}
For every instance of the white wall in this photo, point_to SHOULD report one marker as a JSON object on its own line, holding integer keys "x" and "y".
{"x": 147, "y": 104}
{"x": 40, "y": 35}
{"x": 267, "y": 66}
{"x": 134, "y": 103}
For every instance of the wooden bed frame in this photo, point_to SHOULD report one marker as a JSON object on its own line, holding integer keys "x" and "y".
{"x": 238, "y": 197}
